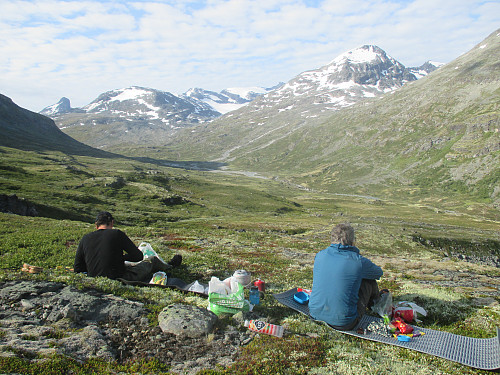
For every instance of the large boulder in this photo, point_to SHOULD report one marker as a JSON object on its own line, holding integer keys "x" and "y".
{"x": 186, "y": 320}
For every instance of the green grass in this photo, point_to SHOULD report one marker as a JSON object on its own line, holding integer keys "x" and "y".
{"x": 222, "y": 223}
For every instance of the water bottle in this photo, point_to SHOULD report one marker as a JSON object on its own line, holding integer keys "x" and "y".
{"x": 254, "y": 295}
{"x": 263, "y": 327}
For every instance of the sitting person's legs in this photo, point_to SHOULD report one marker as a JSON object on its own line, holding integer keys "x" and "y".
{"x": 368, "y": 294}
{"x": 144, "y": 270}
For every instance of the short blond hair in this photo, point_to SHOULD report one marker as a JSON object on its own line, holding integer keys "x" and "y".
{"x": 343, "y": 234}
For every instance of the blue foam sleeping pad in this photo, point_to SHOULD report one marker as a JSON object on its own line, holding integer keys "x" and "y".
{"x": 477, "y": 353}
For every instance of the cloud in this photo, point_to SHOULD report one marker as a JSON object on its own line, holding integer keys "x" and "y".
{"x": 79, "y": 49}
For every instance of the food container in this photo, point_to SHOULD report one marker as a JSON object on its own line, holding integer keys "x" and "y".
{"x": 243, "y": 277}
{"x": 301, "y": 297}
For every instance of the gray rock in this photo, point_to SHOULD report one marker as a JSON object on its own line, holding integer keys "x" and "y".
{"x": 186, "y": 320}
{"x": 61, "y": 301}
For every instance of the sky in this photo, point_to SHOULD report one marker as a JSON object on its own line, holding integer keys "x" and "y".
{"x": 81, "y": 49}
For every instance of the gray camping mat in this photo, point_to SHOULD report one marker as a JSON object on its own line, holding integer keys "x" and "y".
{"x": 477, "y": 353}
{"x": 172, "y": 283}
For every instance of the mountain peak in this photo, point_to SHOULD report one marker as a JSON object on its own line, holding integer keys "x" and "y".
{"x": 362, "y": 55}
{"x": 355, "y": 75}
{"x": 61, "y": 107}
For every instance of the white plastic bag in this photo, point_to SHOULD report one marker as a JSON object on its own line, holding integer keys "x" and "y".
{"x": 226, "y": 287}
{"x": 197, "y": 287}
{"x": 383, "y": 306}
{"x": 148, "y": 252}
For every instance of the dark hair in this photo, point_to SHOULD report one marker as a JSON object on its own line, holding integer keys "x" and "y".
{"x": 103, "y": 218}
{"x": 343, "y": 234}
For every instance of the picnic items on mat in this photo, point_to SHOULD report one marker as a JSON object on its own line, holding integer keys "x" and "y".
{"x": 301, "y": 297}
{"x": 159, "y": 278}
{"x": 470, "y": 351}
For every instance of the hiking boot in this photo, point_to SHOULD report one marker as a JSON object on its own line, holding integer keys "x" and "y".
{"x": 175, "y": 261}
{"x": 158, "y": 265}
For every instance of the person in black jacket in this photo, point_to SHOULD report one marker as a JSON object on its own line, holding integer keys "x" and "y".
{"x": 104, "y": 252}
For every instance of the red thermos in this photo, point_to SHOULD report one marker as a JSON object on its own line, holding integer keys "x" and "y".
{"x": 260, "y": 285}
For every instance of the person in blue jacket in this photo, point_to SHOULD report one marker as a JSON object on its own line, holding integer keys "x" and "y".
{"x": 344, "y": 282}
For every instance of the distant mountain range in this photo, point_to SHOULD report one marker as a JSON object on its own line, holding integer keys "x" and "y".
{"x": 138, "y": 115}
{"x": 222, "y": 102}
{"x": 362, "y": 123}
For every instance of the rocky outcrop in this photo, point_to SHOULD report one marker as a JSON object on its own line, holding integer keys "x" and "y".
{"x": 14, "y": 205}
{"x": 41, "y": 318}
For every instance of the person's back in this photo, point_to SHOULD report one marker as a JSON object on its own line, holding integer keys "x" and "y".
{"x": 104, "y": 252}
{"x": 334, "y": 297}
{"x": 343, "y": 281}
{"x": 100, "y": 253}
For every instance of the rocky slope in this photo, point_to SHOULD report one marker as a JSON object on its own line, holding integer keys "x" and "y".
{"x": 40, "y": 318}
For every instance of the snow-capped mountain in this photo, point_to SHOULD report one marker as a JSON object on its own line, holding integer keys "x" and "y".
{"x": 61, "y": 107}
{"x": 228, "y": 99}
{"x": 358, "y": 74}
{"x": 425, "y": 69}
{"x": 137, "y": 115}
{"x": 131, "y": 115}
{"x": 145, "y": 104}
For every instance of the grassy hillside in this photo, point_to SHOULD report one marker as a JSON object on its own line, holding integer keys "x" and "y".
{"x": 221, "y": 222}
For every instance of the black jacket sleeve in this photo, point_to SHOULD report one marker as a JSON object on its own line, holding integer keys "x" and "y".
{"x": 132, "y": 253}
{"x": 80, "y": 265}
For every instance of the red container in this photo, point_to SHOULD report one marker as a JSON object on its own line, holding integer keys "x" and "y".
{"x": 261, "y": 285}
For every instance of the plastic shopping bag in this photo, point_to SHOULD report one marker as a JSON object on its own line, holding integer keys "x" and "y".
{"x": 226, "y": 297}
{"x": 383, "y": 307}
{"x": 408, "y": 311}
{"x": 148, "y": 252}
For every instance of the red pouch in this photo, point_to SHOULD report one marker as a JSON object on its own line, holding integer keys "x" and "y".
{"x": 402, "y": 326}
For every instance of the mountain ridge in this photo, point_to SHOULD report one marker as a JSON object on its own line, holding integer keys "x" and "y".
{"x": 28, "y": 130}
{"x": 105, "y": 124}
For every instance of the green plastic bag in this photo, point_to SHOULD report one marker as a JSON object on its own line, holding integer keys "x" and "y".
{"x": 228, "y": 303}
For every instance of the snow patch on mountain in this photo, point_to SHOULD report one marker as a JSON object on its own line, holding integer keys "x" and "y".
{"x": 227, "y": 100}
{"x": 363, "y": 55}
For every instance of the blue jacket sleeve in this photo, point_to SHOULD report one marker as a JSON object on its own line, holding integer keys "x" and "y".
{"x": 370, "y": 270}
